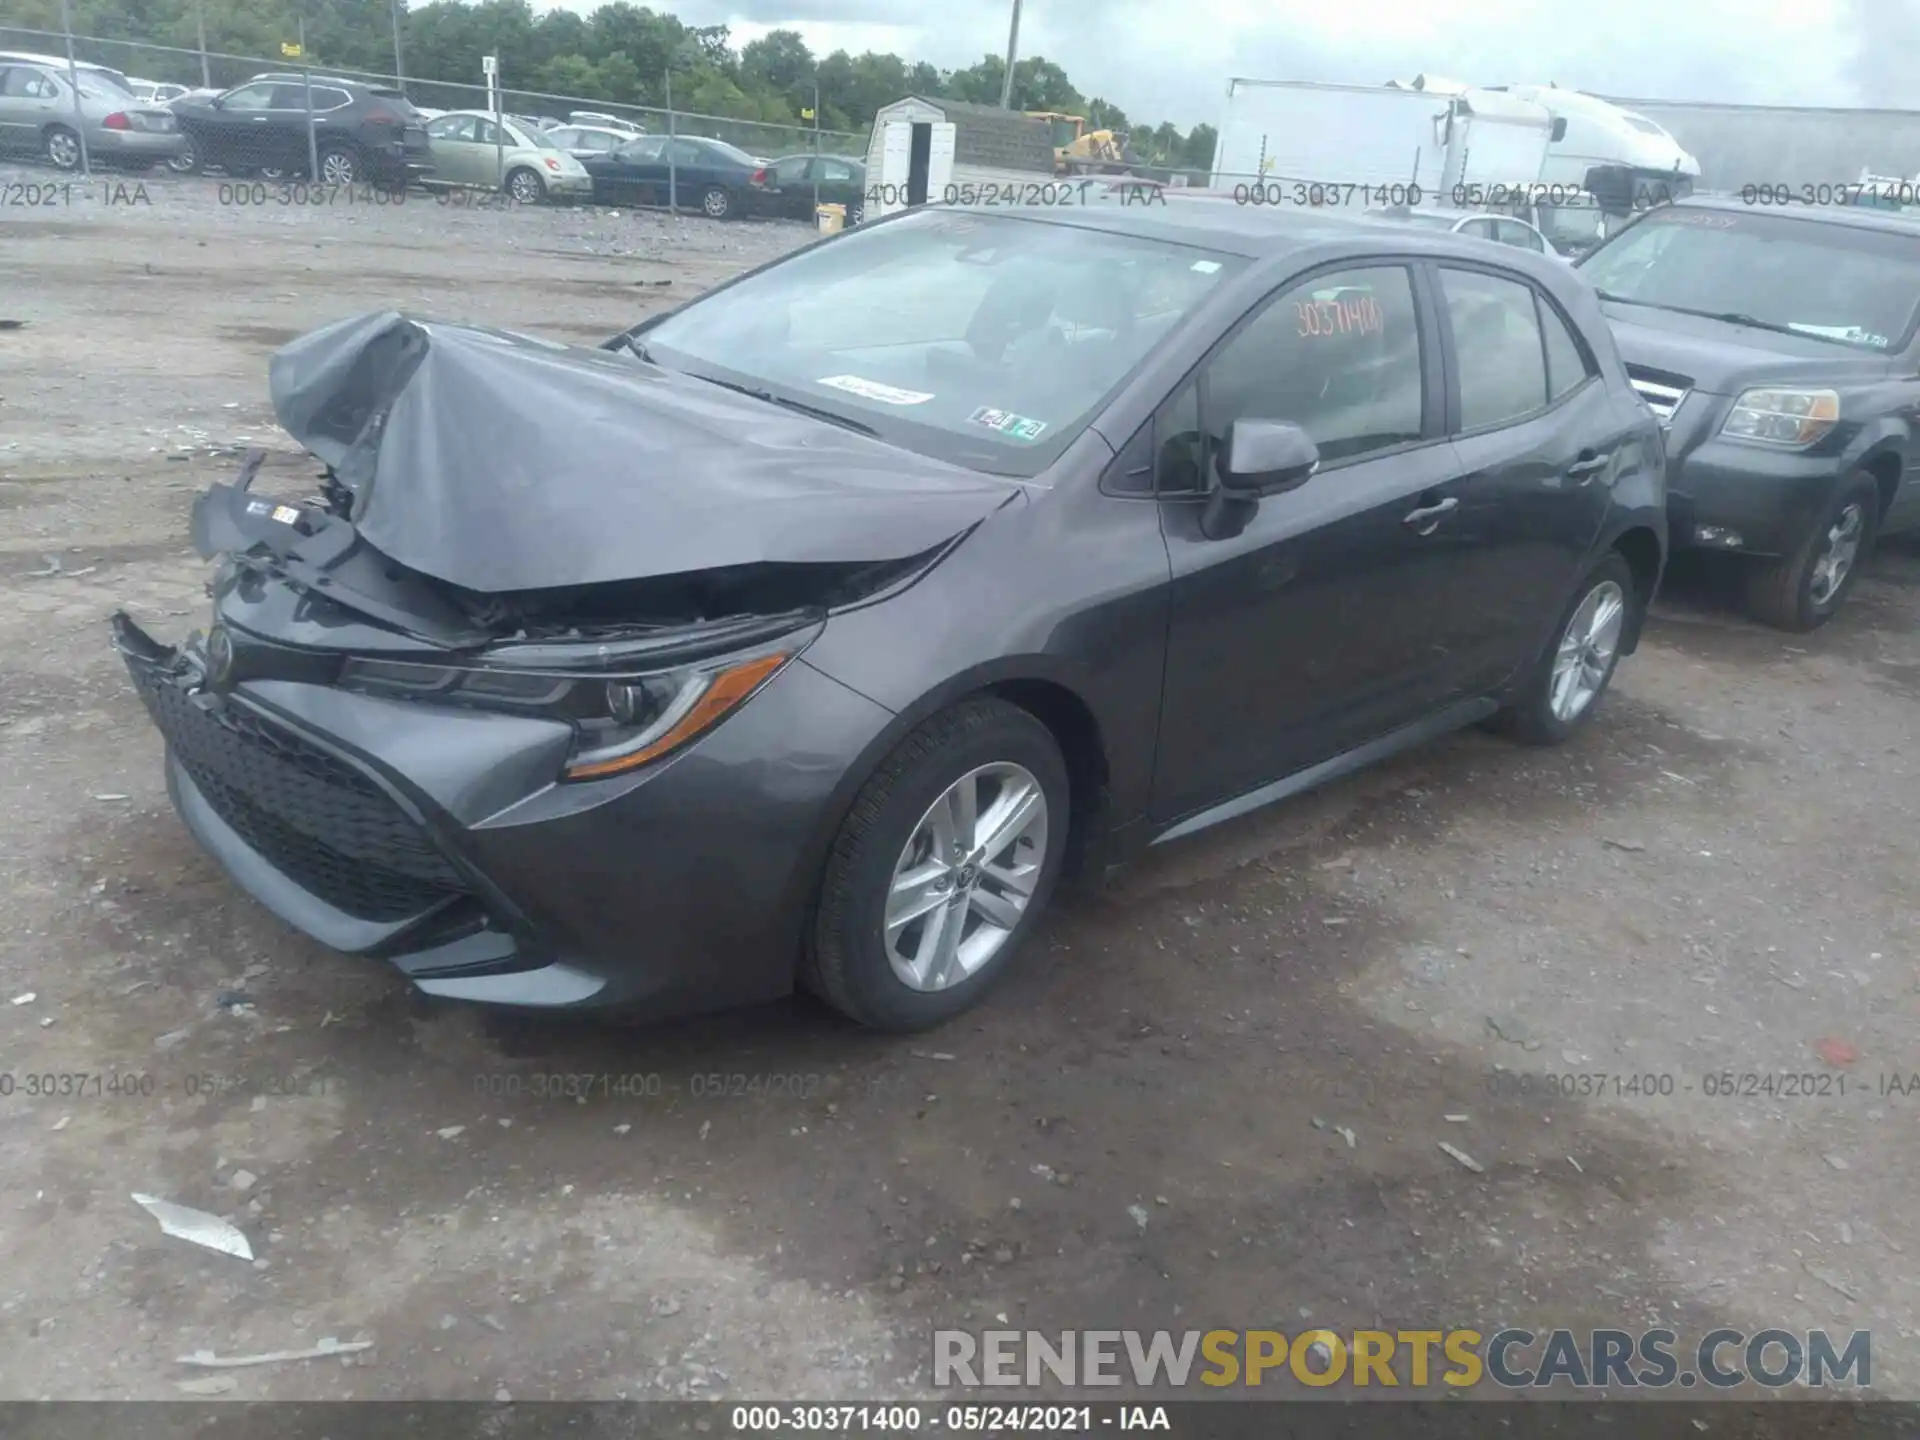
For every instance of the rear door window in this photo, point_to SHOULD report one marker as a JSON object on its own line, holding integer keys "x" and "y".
{"x": 249, "y": 97}
{"x": 1567, "y": 364}
{"x": 1497, "y": 347}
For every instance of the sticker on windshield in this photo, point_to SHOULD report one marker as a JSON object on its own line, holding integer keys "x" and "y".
{"x": 1017, "y": 427}
{"x": 1205, "y": 267}
{"x": 874, "y": 390}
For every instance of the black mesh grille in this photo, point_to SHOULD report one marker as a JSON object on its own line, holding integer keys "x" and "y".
{"x": 320, "y": 822}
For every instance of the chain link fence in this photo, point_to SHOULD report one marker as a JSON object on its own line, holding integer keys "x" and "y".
{"x": 289, "y": 119}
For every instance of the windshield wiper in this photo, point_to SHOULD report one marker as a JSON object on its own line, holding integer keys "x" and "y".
{"x": 1728, "y": 317}
{"x": 799, "y": 407}
{"x": 638, "y": 347}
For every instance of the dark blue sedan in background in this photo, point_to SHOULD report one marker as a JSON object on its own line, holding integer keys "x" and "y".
{"x": 706, "y": 175}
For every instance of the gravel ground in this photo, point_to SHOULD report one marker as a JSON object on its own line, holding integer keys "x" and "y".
{"x": 1717, "y": 876}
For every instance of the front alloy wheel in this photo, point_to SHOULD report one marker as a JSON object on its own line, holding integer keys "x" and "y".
{"x": 966, "y": 874}
{"x": 1801, "y": 591}
{"x": 944, "y": 862}
{"x": 1838, "y": 551}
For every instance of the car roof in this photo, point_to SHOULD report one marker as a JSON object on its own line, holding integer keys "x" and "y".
{"x": 52, "y": 62}
{"x": 291, "y": 75}
{"x": 809, "y": 155}
{"x": 1262, "y": 233}
{"x": 1860, "y": 217}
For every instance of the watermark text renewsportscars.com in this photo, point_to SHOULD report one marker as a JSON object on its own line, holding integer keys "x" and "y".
{"x": 1510, "y": 1358}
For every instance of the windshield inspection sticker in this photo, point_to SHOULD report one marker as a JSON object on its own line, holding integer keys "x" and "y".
{"x": 1019, "y": 427}
{"x": 874, "y": 390}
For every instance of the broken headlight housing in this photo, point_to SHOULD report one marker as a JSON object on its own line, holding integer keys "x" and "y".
{"x": 622, "y": 718}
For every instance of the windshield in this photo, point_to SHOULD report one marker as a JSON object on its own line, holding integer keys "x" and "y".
{"x": 1843, "y": 283}
{"x": 985, "y": 341}
{"x": 1064, "y": 134}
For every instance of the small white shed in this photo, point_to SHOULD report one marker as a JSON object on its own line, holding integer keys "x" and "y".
{"x": 925, "y": 151}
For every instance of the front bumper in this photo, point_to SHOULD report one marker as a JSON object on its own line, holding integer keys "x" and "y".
{"x": 438, "y": 840}
{"x": 1735, "y": 497}
{"x": 568, "y": 187}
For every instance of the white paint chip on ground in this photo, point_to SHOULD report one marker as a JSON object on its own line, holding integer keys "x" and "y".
{"x": 183, "y": 1222}
{"x": 1465, "y": 1159}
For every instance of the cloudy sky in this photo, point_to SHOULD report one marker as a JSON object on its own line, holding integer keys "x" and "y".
{"x": 1171, "y": 59}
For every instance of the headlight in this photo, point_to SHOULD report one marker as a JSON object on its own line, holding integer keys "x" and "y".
{"x": 621, "y": 721}
{"x": 1783, "y": 417}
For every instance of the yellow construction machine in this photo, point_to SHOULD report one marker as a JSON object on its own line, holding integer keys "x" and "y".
{"x": 1080, "y": 151}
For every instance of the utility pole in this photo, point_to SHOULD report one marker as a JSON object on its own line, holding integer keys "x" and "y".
{"x": 1013, "y": 47}
{"x": 73, "y": 88}
{"x": 200, "y": 20}
{"x": 399, "y": 57}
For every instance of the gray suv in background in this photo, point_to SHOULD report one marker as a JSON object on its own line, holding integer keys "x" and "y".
{"x": 362, "y": 134}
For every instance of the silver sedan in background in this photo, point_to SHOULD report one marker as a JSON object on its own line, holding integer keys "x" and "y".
{"x": 39, "y": 116}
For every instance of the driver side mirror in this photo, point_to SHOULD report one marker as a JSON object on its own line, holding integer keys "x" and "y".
{"x": 1265, "y": 457}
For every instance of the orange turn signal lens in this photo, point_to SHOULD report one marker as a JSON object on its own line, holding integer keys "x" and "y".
{"x": 724, "y": 693}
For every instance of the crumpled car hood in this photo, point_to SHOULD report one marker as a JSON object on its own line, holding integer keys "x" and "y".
{"x": 499, "y": 462}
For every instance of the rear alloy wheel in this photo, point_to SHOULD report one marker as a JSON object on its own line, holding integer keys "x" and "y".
{"x": 1568, "y": 678}
{"x": 525, "y": 187}
{"x": 339, "y": 166}
{"x": 62, "y": 146}
{"x": 187, "y": 162}
{"x": 716, "y": 203}
{"x": 1801, "y": 591}
{"x": 947, "y": 858}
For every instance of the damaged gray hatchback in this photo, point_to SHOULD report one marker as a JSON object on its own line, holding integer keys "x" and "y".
{"x": 810, "y": 632}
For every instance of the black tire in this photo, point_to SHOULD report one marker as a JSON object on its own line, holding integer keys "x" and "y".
{"x": 1793, "y": 593}
{"x": 716, "y": 202}
{"x": 1532, "y": 718}
{"x": 524, "y": 187}
{"x": 341, "y": 165}
{"x": 847, "y": 962}
{"x": 187, "y": 162}
{"x": 61, "y": 145}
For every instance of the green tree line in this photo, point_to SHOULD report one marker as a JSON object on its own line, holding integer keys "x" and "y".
{"x": 620, "y": 54}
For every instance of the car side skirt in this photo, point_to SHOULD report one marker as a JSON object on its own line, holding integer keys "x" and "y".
{"x": 1453, "y": 717}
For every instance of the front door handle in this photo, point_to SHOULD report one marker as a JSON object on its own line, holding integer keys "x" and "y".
{"x": 1426, "y": 519}
{"x": 1587, "y": 466}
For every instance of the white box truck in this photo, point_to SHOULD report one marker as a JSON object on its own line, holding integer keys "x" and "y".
{"x": 1288, "y": 136}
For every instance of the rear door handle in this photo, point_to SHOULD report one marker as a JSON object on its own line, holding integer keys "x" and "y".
{"x": 1426, "y": 519}
{"x": 1588, "y": 466}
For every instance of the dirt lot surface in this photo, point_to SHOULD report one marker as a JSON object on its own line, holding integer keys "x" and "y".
{"x": 1142, "y": 1129}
